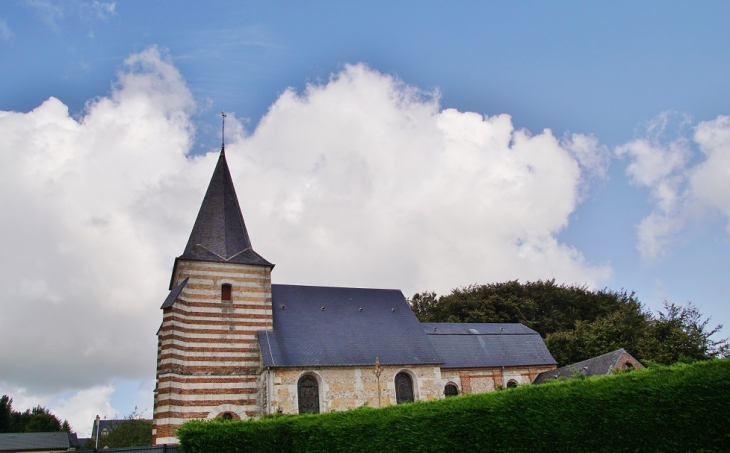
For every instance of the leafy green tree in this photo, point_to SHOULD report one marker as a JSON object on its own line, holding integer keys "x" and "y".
{"x": 38, "y": 419}
{"x": 683, "y": 335}
{"x": 133, "y": 431}
{"x": 41, "y": 420}
{"x": 626, "y": 328}
{"x": 130, "y": 433}
{"x": 6, "y": 414}
{"x": 578, "y": 323}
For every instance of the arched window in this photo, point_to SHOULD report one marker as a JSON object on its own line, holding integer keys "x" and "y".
{"x": 104, "y": 432}
{"x": 226, "y": 292}
{"x": 511, "y": 384}
{"x": 450, "y": 390}
{"x": 227, "y": 416}
{"x": 403, "y": 388}
{"x": 308, "y": 392}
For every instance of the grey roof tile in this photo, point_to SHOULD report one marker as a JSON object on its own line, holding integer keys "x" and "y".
{"x": 174, "y": 294}
{"x": 219, "y": 233}
{"x": 480, "y": 345}
{"x": 37, "y": 441}
{"x": 328, "y": 326}
{"x": 596, "y": 366}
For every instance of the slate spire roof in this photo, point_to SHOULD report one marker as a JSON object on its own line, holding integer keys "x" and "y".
{"x": 219, "y": 233}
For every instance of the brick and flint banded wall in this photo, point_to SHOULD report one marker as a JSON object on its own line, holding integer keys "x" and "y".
{"x": 481, "y": 380}
{"x": 208, "y": 359}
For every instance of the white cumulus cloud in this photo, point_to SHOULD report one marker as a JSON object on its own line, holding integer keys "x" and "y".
{"x": 679, "y": 189}
{"x": 367, "y": 181}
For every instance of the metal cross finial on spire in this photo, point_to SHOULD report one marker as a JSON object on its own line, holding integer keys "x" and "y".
{"x": 223, "y": 132}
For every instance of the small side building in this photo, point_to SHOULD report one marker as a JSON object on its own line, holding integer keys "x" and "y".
{"x": 38, "y": 442}
{"x": 482, "y": 357}
{"x": 618, "y": 360}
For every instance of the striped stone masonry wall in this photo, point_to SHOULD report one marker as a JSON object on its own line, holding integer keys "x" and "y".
{"x": 480, "y": 380}
{"x": 208, "y": 360}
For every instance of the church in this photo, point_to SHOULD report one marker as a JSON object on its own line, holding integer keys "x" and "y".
{"x": 232, "y": 345}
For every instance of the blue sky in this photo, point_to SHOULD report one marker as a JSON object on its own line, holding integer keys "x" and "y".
{"x": 643, "y": 81}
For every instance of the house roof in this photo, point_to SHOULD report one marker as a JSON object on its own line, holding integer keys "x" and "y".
{"x": 596, "y": 366}
{"x": 174, "y": 293}
{"x": 37, "y": 441}
{"x": 219, "y": 233}
{"x": 328, "y": 326}
{"x": 479, "y": 345}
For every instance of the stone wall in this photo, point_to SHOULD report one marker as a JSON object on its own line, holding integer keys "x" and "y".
{"x": 481, "y": 380}
{"x": 343, "y": 388}
{"x": 208, "y": 359}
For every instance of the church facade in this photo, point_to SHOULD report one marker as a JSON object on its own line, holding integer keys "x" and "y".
{"x": 233, "y": 345}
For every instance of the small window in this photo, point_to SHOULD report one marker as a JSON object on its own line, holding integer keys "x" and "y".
{"x": 308, "y": 393}
{"x": 104, "y": 432}
{"x": 403, "y": 388}
{"x": 450, "y": 390}
{"x": 628, "y": 366}
{"x": 227, "y": 416}
{"x": 511, "y": 384}
{"x": 226, "y": 292}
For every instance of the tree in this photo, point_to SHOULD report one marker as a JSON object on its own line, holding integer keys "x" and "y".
{"x": 626, "y": 328}
{"x": 6, "y": 414}
{"x": 133, "y": 431}
{"x": 38, "y": 419}
{"x": 578, "y": 323}
{"x": 41, "y": 420}
{"x": 682, "y": 335}
{"x": 130, "y": 433}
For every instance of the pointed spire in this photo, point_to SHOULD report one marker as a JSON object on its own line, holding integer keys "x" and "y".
{"x": 219, "y": 233}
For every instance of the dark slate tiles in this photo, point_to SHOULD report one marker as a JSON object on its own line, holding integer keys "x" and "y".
{"x": 477, "y": 345}
{"x": 37, "y": 441}
{"x": 596, "y": 366}
{"x": 327, "y": 326}
{"x": 174, "y": 293}
{"x": 219, "y": 233}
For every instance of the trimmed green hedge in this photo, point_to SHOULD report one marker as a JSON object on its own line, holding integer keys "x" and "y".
{"x": 682, "y": 408}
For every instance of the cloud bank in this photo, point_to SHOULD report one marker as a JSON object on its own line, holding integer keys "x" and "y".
{"x": 359, "y": 181}
{"x": 684, "y": 185}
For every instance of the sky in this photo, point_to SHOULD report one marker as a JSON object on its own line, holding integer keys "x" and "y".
{"x": 422, "y": 146}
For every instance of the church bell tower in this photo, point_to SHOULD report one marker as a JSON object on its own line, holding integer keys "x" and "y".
{"x": 208, "y": 359}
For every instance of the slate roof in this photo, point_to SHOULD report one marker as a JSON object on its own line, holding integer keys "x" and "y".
{"x": 328, "y": 326}
{"x": 219, "y": 233}
{"x": 479, "y": 345}
{"x": 596, "y": 366}
{"x": 174, "y": 294}
{"x": 37, "y": 441}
